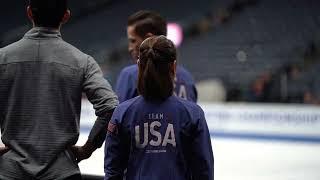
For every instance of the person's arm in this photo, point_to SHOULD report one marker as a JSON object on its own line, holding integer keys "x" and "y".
{"x": 187, "y": 78}
{"x": 199, "y": 155}
{"x": 95, "y": 139}
{"x": 117, "y": 149}
{"x": 194, "y": 92}
{"x": 99, "y": 92}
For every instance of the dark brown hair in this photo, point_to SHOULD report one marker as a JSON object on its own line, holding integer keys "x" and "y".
{"x": 156, "y": 58}
{"x": 148, "y": 22}
{"x": 48, "y": 13}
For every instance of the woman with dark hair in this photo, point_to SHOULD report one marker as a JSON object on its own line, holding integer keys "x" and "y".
{"x": 158, "y": 135}
{"x": 157, "y": 67}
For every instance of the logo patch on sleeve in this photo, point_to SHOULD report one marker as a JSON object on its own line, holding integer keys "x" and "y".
{"x": 112, "y": 128}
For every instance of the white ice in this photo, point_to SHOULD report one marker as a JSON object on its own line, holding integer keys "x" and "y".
{"x": 247, "y": 160}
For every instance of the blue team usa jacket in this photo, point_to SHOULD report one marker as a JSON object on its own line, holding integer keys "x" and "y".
{"x": 168, "y": 140}
{"x": 126, "y": 87}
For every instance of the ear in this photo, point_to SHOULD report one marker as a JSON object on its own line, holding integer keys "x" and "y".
{"x": 29, "y": 13}
{"x": 66, "y": 17}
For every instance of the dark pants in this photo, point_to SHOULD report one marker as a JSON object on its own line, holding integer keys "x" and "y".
{"x": 74, "y": 177}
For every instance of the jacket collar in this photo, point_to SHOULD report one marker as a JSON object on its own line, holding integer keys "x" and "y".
{"x": 42, "y": 32}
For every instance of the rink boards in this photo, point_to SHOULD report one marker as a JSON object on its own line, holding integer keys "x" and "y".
{"x": 250, "y": 141}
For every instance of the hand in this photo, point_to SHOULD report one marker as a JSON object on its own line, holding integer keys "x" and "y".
{"x": 82, "y": 152}
{"x": 3, "y": 150}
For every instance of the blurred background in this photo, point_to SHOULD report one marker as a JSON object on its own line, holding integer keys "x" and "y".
{"x": 237, "y": 50}
{"x": 255, "y": 63}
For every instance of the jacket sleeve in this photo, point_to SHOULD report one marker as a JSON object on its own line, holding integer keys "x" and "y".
{"x": 117, "y": 148}
{"x": 101, "y": 95}
{"x": 195, "y": 93}
{"x": 98, "y": 89}
{"x": 199, "y": 155}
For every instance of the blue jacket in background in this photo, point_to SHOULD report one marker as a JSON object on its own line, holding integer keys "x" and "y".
{"x": 168, "y": 140}
{"x": 126, "y": 87}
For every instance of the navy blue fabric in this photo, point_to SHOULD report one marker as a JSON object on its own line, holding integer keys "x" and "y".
{"x": 156, "y": 141}
{"x": 126, "y": 87}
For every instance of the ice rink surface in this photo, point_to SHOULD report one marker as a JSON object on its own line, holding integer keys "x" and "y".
{"x": 243, "y": 159}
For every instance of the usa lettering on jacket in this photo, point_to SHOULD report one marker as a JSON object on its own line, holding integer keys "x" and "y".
{"x": 180, "y": 89}
{"x": 156, "y": 138}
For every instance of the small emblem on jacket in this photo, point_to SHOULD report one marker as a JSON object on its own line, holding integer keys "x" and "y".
{"x": 112, "y": 128}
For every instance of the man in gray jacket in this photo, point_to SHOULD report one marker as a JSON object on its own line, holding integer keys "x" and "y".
{"x": 41, "y": 82}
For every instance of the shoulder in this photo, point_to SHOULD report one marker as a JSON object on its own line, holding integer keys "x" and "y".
{"x": 2, "y": 55}
{"x": 131, "y": 69}
{"x": 183, "y": 70}
{"x": 13, "y": 51}
{"x": 122, "y": 108}
{"x": 1, "y": 52}
{"x": 11, "y": 47}
{"x": 129, "y": 73}
{"x": 74, "y": 50}
{"x": 193, "y": 109}
{"x": 184, "y": 73}
{"x": 67, "y": 52}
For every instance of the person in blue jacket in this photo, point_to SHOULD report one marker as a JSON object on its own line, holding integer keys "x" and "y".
{"x": 157, "y": 135}
{"x": 142, "y": 25}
